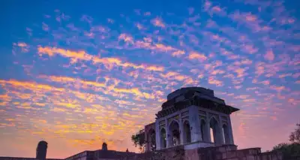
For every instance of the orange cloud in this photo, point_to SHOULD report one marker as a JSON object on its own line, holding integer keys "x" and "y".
{"x": 82, "y": 55}
{"x": 198, "y": 56}
{"x": 30, "y": 85}
{"x": 178, "y": 53}
{"x": 22, "y": 44}
{"x": 126, "y": 38}
{"x": 92, "y": 84}
{"x": 175, "y": 76}
{"x": 212, "y": 80}
{"x": 134, "y": 91}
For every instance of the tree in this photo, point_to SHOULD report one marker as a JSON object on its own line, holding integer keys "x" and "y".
{"x": 295, "y": 136}
{"x": 139, "y": 139}
{"x": 290, "y": 150}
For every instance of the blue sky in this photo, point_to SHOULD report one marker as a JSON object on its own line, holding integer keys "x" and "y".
{"x": 79, "y": 73}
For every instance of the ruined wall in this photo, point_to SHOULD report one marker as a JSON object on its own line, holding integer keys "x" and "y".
{"x": 174, "y": 153}
{"x": 226, "y": 152}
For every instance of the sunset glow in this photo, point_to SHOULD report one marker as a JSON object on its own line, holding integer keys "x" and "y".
{"x": 77, "y": 74}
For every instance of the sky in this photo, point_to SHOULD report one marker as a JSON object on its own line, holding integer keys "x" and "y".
{"x": 80, "y": 73}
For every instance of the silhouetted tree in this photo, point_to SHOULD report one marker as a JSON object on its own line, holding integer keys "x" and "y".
{"x": 139, "y": 139}
{"x": 295, "y": 136}
{"x": 290, "y": 150}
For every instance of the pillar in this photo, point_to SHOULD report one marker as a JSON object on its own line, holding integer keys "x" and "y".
{"x": 168, "y": 136}
{"x": 181, "y": 130}
{"x": 230, "y": 130}
{"x": 208, "y": 136}
{"x": 194, "y": 123}
{"x": 157, "y": 137}
{"x": 220, "y": 134}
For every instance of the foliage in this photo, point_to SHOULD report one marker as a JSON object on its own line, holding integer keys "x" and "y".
{"x": 293, "y": 149}
{"x": 288, "y": 150}
{"x": 139, "y": 139}
{"x": 295, "y": 136}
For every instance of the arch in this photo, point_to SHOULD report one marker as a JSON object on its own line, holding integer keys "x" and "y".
{"x": 186, "y": 132}
{"x": 213, "y": 130}
{"x": 151, "y": 139}
{"x": 203, "y": 130}
{"x": 163, "y": 138}
{"x": 175, "y": 134}
{"x": 226, "y": 134}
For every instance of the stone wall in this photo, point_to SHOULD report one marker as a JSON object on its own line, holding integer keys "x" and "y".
{"x": 226, "y": 152}
{"x": 174, "y": 153}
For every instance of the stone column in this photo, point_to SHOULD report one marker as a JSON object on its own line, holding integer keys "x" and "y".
{"x": 207, "y": 130}
{"x": 168, "y": 136}
{"x": 181, "y": 130}
{"x": 230, "y": 132}
{"x": 157, "y": 137}
{"x": 194, "y": 123}
{"x": 220, "y": 134}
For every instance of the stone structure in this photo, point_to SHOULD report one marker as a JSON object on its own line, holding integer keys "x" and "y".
{"x": 41, "y": 150}
{"x": 224, "y": 152}
{"x": 102, "y": 154}
{"x": 192, "y": 117}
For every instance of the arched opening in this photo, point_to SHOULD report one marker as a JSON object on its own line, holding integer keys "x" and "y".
{"x": 212, "y": 136}
{"x": 163, "y": 137}
{"x": 151, "y": 140}
{"x": 225, "y": 134}
{"x": 203, "y": 130}
{"x": 213, "y": 130}
{"x": 187, "y": 132}
{"x": 175, "y": 135}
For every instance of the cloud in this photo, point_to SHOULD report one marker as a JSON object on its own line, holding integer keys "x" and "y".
{"x": 30, "y": 85}
{"x": 158, "y": 22}
{"x": 269, "y": 55}
{"x": 212, "y": 80}
{"x": 249, "y": 49}
{"x": 82, "y": 55}
{"x": 96, "y": 85}
{"x": 139, "y": 26}
{"x": 198, "y": 56}
{"x": 22, "y": 44}
{"x": 178, "y": 53}
{"x": 126, "y": 38}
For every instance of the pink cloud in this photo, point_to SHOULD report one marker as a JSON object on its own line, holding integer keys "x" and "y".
{"x": 278, "y": 88}
{"x": 249, "y": 49}
{"x": 139, "y": 26}
{"x": 126, "y": 37}
{"x": 158, "y": 22}
{"x": 250, "y": 17}
{"x": 269, "y": 55}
